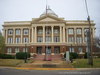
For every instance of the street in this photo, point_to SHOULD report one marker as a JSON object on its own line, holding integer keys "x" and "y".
{"x": 11, "y": 71}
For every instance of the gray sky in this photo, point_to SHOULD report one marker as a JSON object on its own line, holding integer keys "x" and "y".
{"x": 25, "y": 10}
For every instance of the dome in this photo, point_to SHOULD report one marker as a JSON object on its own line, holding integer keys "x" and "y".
{"x": 48, "y": 12}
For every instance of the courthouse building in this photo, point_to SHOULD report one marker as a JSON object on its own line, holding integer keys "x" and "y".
{"x": 48, "y": 34}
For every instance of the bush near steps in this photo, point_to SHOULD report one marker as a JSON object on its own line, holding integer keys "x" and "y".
{"x": 22, "y": 55}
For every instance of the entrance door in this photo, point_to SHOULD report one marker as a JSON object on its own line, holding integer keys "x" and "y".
{"x": 57, "y": 50}
{"x": 48, "y": 50}
{"x": 39, "y": 50}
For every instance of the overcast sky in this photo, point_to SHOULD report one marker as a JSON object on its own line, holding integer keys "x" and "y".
{"x": 25, "y": 10}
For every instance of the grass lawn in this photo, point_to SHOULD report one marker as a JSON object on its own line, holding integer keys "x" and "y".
{"x": 10, "y": 62}
{"x": 82, "y": 63}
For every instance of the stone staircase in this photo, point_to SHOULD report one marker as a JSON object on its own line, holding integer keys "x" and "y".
{"x": 48, "y": 61}
{"x": 48, "y": 57}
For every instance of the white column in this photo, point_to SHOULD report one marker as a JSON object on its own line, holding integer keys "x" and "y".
{"x": 64, "y": 34}
{"x": 52, "y": 34}
{"x": 29, "y": 35}
{"x": 60, "y": 34}
{"x": 83, "y": 34}
{"x": 32, "y": 35}
{"x": 13, "y": 36}
{"x": 35, "y": 34}
{"x": 6, "y": 35}
{"x": 43, "y": 34}
{"x": 21, "y": 35}
{"x": 4, "y": 32}
{"x": 93, "y": 33}
{"x": 75, "y": 35}
{"x": 67, "y": 34}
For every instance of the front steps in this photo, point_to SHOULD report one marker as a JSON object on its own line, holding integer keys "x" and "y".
{"x": 48, "y": 64}
{"x": 50, "y": 61}
{"x": 48, "y": 57}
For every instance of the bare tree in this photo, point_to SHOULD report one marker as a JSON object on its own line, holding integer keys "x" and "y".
{"x": 2, "y": 43}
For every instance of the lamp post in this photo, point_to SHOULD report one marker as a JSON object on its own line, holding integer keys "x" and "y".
{"x": 71, "y": 47}
{"x": 25, "y": 52}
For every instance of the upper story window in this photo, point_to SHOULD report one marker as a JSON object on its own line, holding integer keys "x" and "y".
{"x": 79, "y": 39}
{"x": 10, "y": 31}
{"x": 85, "y": 30}
{"x": 71, "y": 31}
{"x": 70, "y": 39}
{"x": 48, "y": 31}
{"x": 79, "y": 31}
{"x": 56, "y": 39}
{"x": 48, "y": 39}
{"x": 26, "y": 31}
{"x": 17, "y": 39}
{"x": 17, "y": 31}
{"x": 85, "y": 39}
{"x": 56, "y": 31}
{"x": 9, "y": 50}
{"x": 40, "y": 39}
{"x": 40, "y": 31}
{"x": 10, "y": 40}
{"x": 25, "y": 39}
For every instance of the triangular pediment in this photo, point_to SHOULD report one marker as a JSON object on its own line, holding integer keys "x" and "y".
{"x": 48, "y": 18}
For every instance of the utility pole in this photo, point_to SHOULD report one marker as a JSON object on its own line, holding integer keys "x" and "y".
{"x": 89, "y": 44}
{"x": 89, "y": 38}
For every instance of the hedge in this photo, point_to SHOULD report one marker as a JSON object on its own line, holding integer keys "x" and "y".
{"x": 6, "y": 56}
{"x": 22, "y": 55}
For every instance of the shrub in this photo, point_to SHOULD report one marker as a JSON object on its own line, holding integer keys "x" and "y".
{"x": 22, "y": 55}
{"x": 85, "y": 55}
{"x": 72, "y": 55}
{"x": 6, "y": 56}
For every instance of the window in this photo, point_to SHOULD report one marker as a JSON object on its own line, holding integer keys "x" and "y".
{"x": 85, "y": 39}
{"x": 10, "y": 40}
{"x": 48, "y": 31}
{"x": 25, "y": 40}
{"x": 40, "y": 31}
{"x": 48, "y": 39}
{"x": 70, "y": 39}
{"x": 86, "y": 49}
{"x": 56, "y": 31}
{"x": 79, "y": 39}
{"x": 10, "y": 31}
{"x": 26, "y": 32}
{"x": 16, "y": 50}
{"x": 25, "y": 49}
{"x": 39, "y": 39}
{"x": 17, "y": 31}
{"x": 70, "y": 31}
{"x": 56, "y": 39}
{"x": 71, "y": 49}
{"x": 85, "y": 30}
{"x": 79, "y": 31}
{"x": 17, "y": 39}
{"x": 80, "y": 50}
{"x": 9, "y": 50}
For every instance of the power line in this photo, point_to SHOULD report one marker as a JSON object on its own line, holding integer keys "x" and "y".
{"x": 86, "y": 8}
